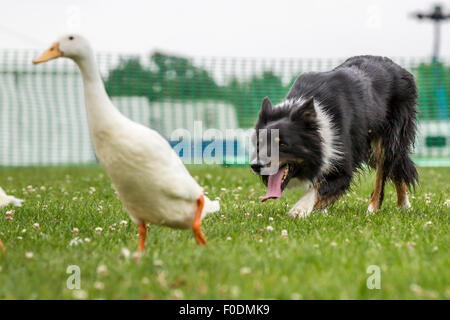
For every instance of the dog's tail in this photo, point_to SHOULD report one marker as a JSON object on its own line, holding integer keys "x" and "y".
{"x": 400, "y": 132}
{"x": 404, "y": 170}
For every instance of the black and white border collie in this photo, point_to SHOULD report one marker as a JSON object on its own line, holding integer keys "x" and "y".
{"x": 331, "y": 123}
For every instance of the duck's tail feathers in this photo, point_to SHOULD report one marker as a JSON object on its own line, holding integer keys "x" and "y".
{"x": 210, "y": 207}
{"x": 15, "y": 201}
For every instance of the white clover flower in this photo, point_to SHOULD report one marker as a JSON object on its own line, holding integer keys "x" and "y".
{"x": 10, "y": 212}
{"x": 19, "y": 238}
{"x": 416, "y": 289}
{"x": 75, "y": 241}
{"x": 102, "y": 270}
{"x": 136, "y": 256}
{"x": 92, "y": 190}
{"x": 98, "y": 230}
{"x": 177, "y": 294}
{"x": 410, "y": 244}
{"x": 123, "y": 223}
{"x": 24, "y": 230}
{"x": 269, "y": 228}
{"x": 125, "y": 253}
{"x": 447, "y": 203}
{"x": 228, "y": 238}
{"x": 284, "y": 233}
{"x": 333, "y": 244}
{"x": 36, "y": 226}
{"x": 75, "y": 231}
{"x": 99, "y": 285}
{"x": 259, "y": 215}
{"x": 428, "y": 223}
{"x": 245, "y": 270}
{"x": 157, "y": 263}
{"x": 87, "y": 240}
{"x": 29, "y": 255}
{"x": 247, "y": 214}
{"x": 79, "y": 294}
{"x": 270, "y": 219}
{"x": 296, "y": 296}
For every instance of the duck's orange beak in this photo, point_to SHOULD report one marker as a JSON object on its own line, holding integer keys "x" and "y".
{"x": 52, "y": 53}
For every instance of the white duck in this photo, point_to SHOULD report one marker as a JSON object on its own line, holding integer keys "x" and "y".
{"x": 4, "y": 201}
{"x": 150, "y": 178}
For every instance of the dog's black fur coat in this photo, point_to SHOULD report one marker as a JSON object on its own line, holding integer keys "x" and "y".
{"x": 367, "y": 99}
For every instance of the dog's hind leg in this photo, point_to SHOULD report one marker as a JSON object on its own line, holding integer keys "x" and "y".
{"x": 402, "y": 195}
{"x": 403, "y": 175}
{"x": 376, "y": 198}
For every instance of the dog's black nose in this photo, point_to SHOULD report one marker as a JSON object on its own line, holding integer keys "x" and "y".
{"x": 256, "y": 167}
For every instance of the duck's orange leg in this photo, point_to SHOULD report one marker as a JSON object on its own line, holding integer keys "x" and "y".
{"x": 142, "y": 235}
{"x": 197, "y": 225}
{"x": 2, "y": 247}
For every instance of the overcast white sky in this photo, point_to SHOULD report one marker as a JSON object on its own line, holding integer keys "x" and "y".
{"x": 274, "y": 28}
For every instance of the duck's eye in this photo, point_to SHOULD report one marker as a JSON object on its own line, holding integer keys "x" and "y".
{"x": 71, "y": 38}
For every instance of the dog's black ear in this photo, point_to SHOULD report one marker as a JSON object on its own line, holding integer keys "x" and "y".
{"x": 305, "y": 111}
{"x": 265, "y": 109}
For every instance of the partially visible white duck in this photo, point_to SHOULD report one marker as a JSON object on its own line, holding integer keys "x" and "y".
{"x": 4, "y": 201}
{"x": 149, "y": 177}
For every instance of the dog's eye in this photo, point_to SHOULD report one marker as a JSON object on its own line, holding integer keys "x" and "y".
{"x": 283, "y": 145}
{"x": 71, "y": 38}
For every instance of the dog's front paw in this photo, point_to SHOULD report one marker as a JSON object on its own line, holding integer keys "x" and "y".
{"x": 305, "y": 205}
{"x": 300, "y": 211}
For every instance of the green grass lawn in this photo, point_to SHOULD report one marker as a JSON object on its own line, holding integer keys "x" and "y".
{"x": 324, "y": 256}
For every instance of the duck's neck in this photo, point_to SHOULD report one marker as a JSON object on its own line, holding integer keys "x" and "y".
{"x": 102, "y": 115}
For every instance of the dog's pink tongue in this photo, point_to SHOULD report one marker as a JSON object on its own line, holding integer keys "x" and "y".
{"x": 274, "y": 186}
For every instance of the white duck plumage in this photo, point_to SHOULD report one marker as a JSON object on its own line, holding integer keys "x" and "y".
{"x": 149, "y": 177}
{"x": 6, "y": 200}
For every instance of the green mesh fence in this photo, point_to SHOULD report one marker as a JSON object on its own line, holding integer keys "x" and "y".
{"x": 43, "y": 118}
